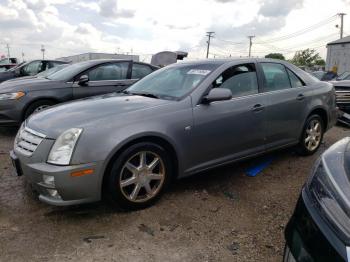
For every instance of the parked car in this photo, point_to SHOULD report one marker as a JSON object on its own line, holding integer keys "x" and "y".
{"x": 180, "y": 120}
{"x": 7, "y": 63}
{"x": 342, "y": 90}
{"x": 343, "y": 76}
{"x": 19, "y": 99}
{"x": 319, "y": 229}
{"x": 42, "y": 74}
{"x": 29, "y": 69}
{"x": 318, "y": 74}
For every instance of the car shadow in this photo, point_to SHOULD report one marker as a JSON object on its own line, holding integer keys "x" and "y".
{"x": 8, "y": 131}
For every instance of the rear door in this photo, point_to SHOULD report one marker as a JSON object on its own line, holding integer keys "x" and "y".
{"x": 286, "y": 99}
{"x": 104, "y": 78}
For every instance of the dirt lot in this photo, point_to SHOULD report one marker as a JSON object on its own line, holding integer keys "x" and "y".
{"x": 222, "y": 215}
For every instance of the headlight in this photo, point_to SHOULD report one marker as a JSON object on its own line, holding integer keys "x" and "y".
{"x": 11, "y": 96}
{"x": 62, "y": 150}
{"x": 329, "y": 188}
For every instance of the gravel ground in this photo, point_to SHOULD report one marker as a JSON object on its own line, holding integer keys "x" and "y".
{"x": 222, "y": 215}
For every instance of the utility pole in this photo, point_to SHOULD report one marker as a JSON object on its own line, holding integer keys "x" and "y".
{"x": 22, "y": 56}
{"x": 209, "y": 35}
{"x": 8, "y": 50}
{"x": 250, "y": 44}
{"x": 341, "y": 24}
{"x": 43, "y": 51}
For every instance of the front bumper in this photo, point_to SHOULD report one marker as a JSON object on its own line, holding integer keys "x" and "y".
{"x": 71, "y": 190}
{"x": 310, "y": 238}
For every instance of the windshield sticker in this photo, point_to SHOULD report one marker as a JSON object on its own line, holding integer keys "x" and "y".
{"x": 198, "y": 72}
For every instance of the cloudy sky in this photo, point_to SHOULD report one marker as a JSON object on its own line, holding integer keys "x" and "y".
{"x": 144, "y": 27}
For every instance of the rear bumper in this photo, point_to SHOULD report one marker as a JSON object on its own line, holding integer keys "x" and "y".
{"x": 310, "y": 238}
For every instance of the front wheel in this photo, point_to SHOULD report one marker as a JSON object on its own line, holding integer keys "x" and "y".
{"x": 312, "y": 135}
{"x": 37, "y": 107}
{"x": 139, "y": 176}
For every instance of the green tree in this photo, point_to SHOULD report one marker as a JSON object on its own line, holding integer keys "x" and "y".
{"x": 320, "y": 62}
{"x": 307, "y": 57}
{"x": 276, "y": 56}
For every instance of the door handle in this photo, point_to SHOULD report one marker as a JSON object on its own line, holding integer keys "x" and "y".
{"x": 257, "y": 108}
{"x": 300, "y": 97}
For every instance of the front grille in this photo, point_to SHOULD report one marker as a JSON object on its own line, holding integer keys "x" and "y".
{"x": 27, "y": 141}
{"x": 342, "y": 95}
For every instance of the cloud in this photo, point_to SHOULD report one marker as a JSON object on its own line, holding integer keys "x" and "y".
{"x": 278, "y": 8}
{"x": 109, "y": 8}
{"x": 225, "y": 1}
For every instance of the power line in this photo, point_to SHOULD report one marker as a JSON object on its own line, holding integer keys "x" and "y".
{"x": 302, "y": 31}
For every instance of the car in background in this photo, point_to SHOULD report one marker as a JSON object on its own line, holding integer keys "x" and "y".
{"x": 319, "y": 229}
{"x": 42, "y": 74}
{"x": 180, "y": 120}
{"x": 342, "y": 91}
{"x": 19, "y": 99}
{"x": 344, "y": 76}
{"x": 7, "y": 63}
{"x": 29, "y": 69}
{"x": 318, "y": 74}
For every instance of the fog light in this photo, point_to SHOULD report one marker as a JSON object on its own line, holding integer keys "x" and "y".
{"x": 49, "y": 180}
{"x": 54, "y": 193}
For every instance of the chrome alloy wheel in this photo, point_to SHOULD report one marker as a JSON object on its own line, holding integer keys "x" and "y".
{"x": 142, "y": 176}
{"x": 313, "y": 135}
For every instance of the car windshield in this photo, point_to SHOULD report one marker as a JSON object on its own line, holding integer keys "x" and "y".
{"x": 68, "y": 72}
{"x": 344, "y": 76}
{"x": 51, "y": 70}
{"x": 172, "y": 82}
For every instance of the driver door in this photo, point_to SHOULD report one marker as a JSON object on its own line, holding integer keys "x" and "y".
{"x": 231, "y": 129}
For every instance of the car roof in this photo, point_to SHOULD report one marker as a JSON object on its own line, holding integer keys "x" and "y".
{"x": 230, "y": 60}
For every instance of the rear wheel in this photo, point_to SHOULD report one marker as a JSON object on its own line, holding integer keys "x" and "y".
{"x": 37, "y": 107}
{"x": 288, "y": 256}
{"x": 312, "y": 135}
{"x": 139, "y": 176}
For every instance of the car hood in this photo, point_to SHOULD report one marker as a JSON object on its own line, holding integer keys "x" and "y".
{"x": 31, "y": 84}
{"x": 83, "y": 113}
{"x": 342, "y": 83}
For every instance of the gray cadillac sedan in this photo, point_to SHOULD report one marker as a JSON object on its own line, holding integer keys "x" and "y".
{"x": 178, "y": 121}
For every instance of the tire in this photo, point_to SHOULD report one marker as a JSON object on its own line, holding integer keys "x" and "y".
{"x": 288, "y": 256}
{"x": 313, "y": 131}
{"x": 37, "y": 106}
{"x": 133, "y": 183}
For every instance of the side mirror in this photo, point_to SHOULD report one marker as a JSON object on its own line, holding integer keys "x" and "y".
{"x": 83, "y": 80}
{"x": 217, "y": 94}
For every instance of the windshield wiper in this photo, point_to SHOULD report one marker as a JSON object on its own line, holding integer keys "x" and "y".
{"x": 140, "y": 94}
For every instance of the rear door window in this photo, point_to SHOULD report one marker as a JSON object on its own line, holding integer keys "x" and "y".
{"x": 294, "y": 80}
{"x": 276, "y": 77}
